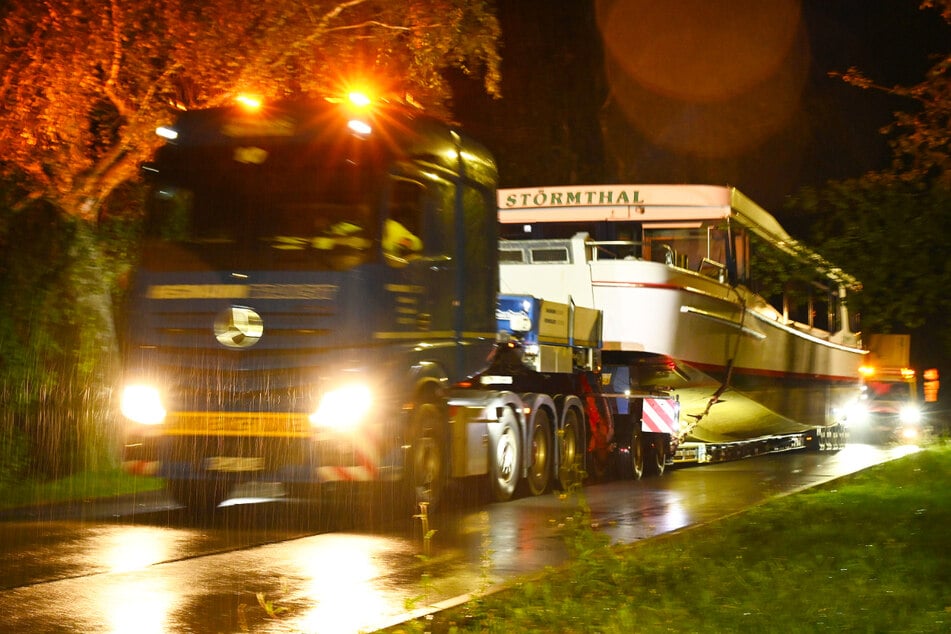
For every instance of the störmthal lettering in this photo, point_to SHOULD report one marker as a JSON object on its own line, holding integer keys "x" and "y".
{"x": 541, "y": 198}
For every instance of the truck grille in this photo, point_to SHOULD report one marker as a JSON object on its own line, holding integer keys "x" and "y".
{"x": 278, "y": 373}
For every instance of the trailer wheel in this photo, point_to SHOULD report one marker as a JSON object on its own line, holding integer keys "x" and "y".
{"x": 539, "y": 469}
{"x": 569, "y": 456}
{"x": 656, "y": 454}
{"x": 427, "y": 462}
{"x": 637, "y": 455}
{"x": 504, "y": 457}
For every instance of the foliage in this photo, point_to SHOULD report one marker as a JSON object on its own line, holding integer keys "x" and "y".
{"x": 85, "y": 485}
{"x": 53, "y": 363}
{"x": 920, "y": 135}
{"x": 775, "y": 274}
{"x": 888, "y": 233}
{"x": 863, "y": 554}
{"x": 890, "y": 229}
{"x": 85, "y": 83}
{"x": 543, "y": 132}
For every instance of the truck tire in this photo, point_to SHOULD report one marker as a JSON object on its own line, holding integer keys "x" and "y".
{"x": 427, "y": 466}
{"x": 638, "y": 453}
{"x": 656, "y": 454}
{"x": 570, "y": 441}
{"x": 540, "y": 454}
{"x": 504, "y": 457}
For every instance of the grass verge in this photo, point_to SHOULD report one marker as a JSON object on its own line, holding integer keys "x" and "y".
{"x": 867, "y": 553}
{"x": 80, "y": 486}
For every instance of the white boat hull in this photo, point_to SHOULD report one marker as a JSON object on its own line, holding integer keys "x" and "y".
{"x": 741, "y": 371}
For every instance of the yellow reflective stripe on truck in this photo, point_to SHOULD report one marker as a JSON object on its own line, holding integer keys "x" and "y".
{"x": 284, "y": 425}
{"x": 242, "y": 291}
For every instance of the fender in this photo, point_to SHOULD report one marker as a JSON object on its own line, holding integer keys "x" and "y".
{"x": 474, "y": 414}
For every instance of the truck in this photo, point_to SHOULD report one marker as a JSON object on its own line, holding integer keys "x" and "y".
{"x": 316, "y": 306}
{"x": 890, "y": 407}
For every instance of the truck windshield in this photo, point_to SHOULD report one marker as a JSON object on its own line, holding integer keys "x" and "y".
{"x": 285, "y": 201}
{"x": 889, "y": 391}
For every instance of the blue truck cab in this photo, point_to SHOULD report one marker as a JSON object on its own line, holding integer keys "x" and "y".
{"x": 314, "y": 277}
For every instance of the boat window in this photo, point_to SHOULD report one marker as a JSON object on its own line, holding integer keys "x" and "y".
{"x": 823, "y": 313}
{"x": 686, "y": 248}
{"x": 794, "y": 288}
{"x": 718, "y": 244}
{"x": 770, "y": 270}
{"x": 511, "y": 255}
{"x": 741, "y": 250}
{"x": 550, "y": 255}
{"x": 796, "y": 301}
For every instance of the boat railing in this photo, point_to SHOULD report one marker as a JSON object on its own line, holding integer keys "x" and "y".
{"x": 712, "y": 268}
{"x": 673, "y": 258}
{"x": 613, "y": 250}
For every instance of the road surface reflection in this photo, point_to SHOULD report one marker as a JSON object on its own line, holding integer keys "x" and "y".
{"x": 244, "y": 572}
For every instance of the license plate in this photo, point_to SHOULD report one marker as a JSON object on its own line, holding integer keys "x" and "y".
{"x": 234, "y": 464}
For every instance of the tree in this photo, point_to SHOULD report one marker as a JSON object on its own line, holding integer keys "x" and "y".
{"x": 888, "y": 233}
{"x": 85, "y": 83}
{"x": 891, "y": 228}
{"x": 543, "y": 132}
{"x": 921, "y": 135}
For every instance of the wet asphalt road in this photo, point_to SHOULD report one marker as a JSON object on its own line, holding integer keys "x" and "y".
{"x": 139, "y": 564}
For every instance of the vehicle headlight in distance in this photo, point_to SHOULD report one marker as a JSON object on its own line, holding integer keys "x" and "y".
{"x": 856, "y": 414}
{"x": 142, "y": 404}
{"x": 910, "y": 415}
{"x": 343, "y": 408}
{"x": 910, "y": 433}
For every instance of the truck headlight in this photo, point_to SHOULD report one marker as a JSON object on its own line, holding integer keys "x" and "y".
{"x": 343, "y": 408}
{"x": 909, "y": 415}
{"x": 142, "y": 404}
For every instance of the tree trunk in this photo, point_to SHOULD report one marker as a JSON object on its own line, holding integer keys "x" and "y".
{"x": 58, "y": 359}
{"x": 96, "y": 373}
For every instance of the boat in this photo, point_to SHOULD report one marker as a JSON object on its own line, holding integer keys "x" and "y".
{"x": 705, "y": 296}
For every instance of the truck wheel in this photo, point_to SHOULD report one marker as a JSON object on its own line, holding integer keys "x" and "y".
{"x": 539, "y": 470}
{"x": 656, "y": 455}
{"x": 637, "y": 455}
{"x": 504, "y": 458}
{"x": 569, "y": 456}
{"x": 427, "y": 467}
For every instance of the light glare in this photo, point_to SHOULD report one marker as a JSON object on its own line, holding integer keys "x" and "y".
{"x": 359, "y": 99}
{"x": 249, "y": 101}
{"x": 142, "y": 404}
{"x": 343, "y": 408}
{"x": 910, "y": 415}
{"x": 360, "y": 127}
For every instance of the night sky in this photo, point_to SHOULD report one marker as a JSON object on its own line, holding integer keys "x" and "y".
{"x": 698, "y": 91}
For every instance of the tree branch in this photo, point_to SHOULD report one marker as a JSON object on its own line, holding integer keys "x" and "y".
{"x": 124, "y": 108}
{"x": 320, "y": 29}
